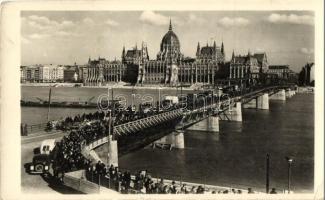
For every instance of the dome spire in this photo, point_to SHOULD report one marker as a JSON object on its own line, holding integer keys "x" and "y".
{"x": 170, "y": 24}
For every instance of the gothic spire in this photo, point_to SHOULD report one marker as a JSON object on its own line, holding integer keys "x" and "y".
{"x": 214, "y": 44}
{"x": 233, "y": 55}
{"x": 123, "y": 53}
{"x": 198, "y": 49}
{"x": 222, "y": 48}
{"x": 170, "y": 24}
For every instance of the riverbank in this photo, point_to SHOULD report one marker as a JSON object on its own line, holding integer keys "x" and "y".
{"x": 120, "y": 85}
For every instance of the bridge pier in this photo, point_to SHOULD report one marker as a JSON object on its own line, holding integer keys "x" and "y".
{"x": 281, "y": 95}
{"x": 178, "y": 140}
{"x": 263, "y": 102}
{"x": 290, "y": 93}
{"x": 112, "y": 152}
{"x": 260, "y": 102}
{"x": 210, "y": 124}
{"x": 213, "y": 124}
{"x": 235, "y": 114}
{"x": 175, "y": 139}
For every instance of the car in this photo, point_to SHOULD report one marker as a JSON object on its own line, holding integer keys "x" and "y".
{"x": 41, "y": 164}
{"x": 42, "y": 159}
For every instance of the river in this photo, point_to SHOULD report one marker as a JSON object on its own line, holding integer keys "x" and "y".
{"x": 233, "y": 157}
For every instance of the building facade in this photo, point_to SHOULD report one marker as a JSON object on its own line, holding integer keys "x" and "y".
{"x": 171, "y": 67}
{"x": 51, "y": 73}
{"x": 211, "y": 53}
{"x": 100, "y": 72}
{"x": 30, "y": 74}
{"x": 248, "y": 68}
{"x": 281, "y": 71}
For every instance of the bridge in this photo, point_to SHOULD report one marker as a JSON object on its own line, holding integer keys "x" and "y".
{"x": 210, "y": 107}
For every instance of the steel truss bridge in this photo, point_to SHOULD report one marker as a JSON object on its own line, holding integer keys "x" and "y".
{"x": 211, "y": 107}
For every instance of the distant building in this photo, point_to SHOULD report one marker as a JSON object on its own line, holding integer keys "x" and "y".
{"x": 306, "y": 75}
{"x": 72, "y": 73}
{"x": 282, "y": 71}
{"x": 172, "y": 68}
{"x": 135, "y": 55}
{"x": 30, "y": 74}
{"x": 169, "y": 69}
{"x": 23, "y": 74}
{"x": 51, "y": 73}
{"x": 100, "y": 72}
{"x": 248, "y": 67}
{"x": 211, "y": 53}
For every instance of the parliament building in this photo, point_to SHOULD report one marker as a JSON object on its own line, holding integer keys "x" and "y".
{"x": 171, "y": 67}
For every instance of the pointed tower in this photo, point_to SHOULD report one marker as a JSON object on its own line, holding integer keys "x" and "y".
{"x": 170, "y": 25}
{"x": 198, "y": 50}
{"x": 214, "y": 45}
{"x": 123, "y": 54}
{"x": 223, "y": 51}
{"x": 89, "y": 60}
{"x": 144, "y": 52}
{"x": 222, "y": 48}
{"x": 233, "y": 56}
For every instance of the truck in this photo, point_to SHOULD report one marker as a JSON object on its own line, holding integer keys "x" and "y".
{"x": 42, "y": 159}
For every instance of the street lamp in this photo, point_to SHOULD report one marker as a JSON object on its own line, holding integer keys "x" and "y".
{"x": 159, "y": 99}
{"x": 290, "y": 161}
{"x": 267, "y": 172}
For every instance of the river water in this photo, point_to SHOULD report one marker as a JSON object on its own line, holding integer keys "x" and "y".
{"x": 233, "y": 157}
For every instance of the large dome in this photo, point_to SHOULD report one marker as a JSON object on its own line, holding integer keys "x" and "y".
{"x": 170, "y": 40}
{"x": 170, "y": 47}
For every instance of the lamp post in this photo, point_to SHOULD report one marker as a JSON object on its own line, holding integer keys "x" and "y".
{"x": 194, "y": 101}
{"x": 290, "y": 161}
{"x": 159, "y": 99}
{"x": 267, "y": 173}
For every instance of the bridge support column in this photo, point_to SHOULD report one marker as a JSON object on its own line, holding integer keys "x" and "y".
{"x": 235, "y": 114}
{"x": 178, "y": 140}
{"x": 112, "y": 152}
{"x": 290, "y": 93}
{"x": 210, "y": 124}
{"x": 175, "y": 139}
{"x": 281, "y": 95}
{"x": 263, "y": 102}
{"x": 213, "y": 124}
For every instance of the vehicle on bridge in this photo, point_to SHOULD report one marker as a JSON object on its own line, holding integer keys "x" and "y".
{"x": 42, "y": 159}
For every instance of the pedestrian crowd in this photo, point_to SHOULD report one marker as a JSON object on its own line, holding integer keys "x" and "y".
{"x": 142, "y": 182}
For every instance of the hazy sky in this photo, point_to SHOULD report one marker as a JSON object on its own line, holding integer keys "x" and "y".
{"x": 65, "y": 37}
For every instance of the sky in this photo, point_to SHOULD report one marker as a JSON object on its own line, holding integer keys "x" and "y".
{"x": 66, "y": 37}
